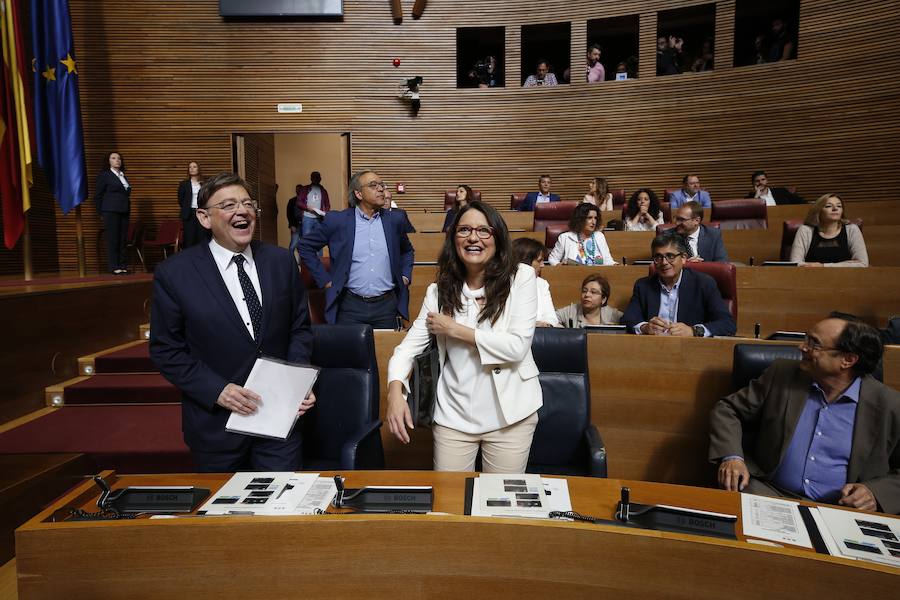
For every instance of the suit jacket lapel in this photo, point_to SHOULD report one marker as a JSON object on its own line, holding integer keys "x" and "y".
{"x": 209, "y": 273}
{"x": 865, "y": 429}
{"x": 266, "y": 272}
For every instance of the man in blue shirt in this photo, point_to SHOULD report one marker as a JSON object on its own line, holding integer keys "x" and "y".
{"x": 690, "y": 190}
{"x": 371, "y": 258}
{"x": 825, "y": 429}
{"x": 542, "y": 196}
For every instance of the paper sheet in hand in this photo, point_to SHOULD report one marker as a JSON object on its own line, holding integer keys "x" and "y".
{"x": 773, "y": 519}
{"x": 282, "y": 386}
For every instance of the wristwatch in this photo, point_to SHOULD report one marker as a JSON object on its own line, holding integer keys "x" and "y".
{"x": 699, "y": 331}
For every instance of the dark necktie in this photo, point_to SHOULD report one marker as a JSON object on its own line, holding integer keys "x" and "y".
{"x": 250, "y": 296}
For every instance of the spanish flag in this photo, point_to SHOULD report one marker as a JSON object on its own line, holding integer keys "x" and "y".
{"x": 16, "y": 127}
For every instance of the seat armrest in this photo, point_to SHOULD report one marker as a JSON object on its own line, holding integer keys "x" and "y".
{"x": 363, "y": 450}
{"x": 596, "y": 452}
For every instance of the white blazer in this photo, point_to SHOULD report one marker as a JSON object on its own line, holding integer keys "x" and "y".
{"x": 566, "y": 248}
{"x": 505, "y": 345}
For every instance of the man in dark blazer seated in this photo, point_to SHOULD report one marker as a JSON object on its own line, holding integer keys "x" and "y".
{"x": 703, "y": 243}
{"x": 822, "y": 428}
{"x": 534, "y": 198}
{"x": 216, "y": 308}
{"x": 371, "y": 258}
{"x": 772, "y": 196}
{"x": 676, "y": 301}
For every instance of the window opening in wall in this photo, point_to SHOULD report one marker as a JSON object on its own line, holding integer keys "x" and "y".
{"x": 618, "y": 40}
{"x": 545, "y": 54}
{"x": 765, "y": 31}
{"x": 480, "y": 57}
{"x": 685, "y": 40}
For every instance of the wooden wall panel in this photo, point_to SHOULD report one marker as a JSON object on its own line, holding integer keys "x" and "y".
{"x": 165, "y": 83}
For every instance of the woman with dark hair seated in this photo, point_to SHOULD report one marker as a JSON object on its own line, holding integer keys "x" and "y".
{"x": 827, "y": 239}
{"x": 463, "y": 197}
{"x": 481, "y": 311}
{"x": 582, "y": 244}
{"x": 593, "y": 308}
{"x": 643, "y": 212}
{"x": 531, "y": 252}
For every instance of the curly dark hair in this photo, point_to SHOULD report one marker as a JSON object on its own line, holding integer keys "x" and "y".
{"x": 580, "y": 215}
{"x": 632, "y": 209}
{"x": 498, "y": 274}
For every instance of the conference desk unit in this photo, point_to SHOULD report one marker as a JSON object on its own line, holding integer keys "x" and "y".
{"x": 451, "y": 555}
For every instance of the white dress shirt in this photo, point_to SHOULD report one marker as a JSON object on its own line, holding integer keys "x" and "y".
{"x": 121, "y": 177}
{"x": 229, "y": 273}
{"x": 195, "y": 191}
{"x": 770, "y": 201}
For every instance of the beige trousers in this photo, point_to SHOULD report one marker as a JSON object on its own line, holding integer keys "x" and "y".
{"x": 502, "y": 451}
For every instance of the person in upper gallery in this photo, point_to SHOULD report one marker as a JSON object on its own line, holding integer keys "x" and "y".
{"x": 371, "y": 257}
{"x": 823, "y": 428}
{"x": 706, "y": 60}
{"x": 703, "y": 243}
{"x": 463, "y": 196}
{"x": 675, "y": 300}
{"x": 531, "y": 252}
{"x": 642, "y": 212}
{"x": 216, "y": 308}
{"x": 112, "y": 197}
{"x": 482, "y": 311}
{"x": 594, "y": 70}
{"x": 599, "y": 194}
{"x": 668, "y": 55}
{"x": 312, "y": 203}
{"x": 582, "y": 244}
{"x": 782, "y": 45}
{"x": 187, "y": 201}
{"x": 593, "y": 308}
{"x": 542, "y": 76}
{"x": 543, "y": 195}
{"x": 772, "y": 196}
{"x": 828, "y": 239}
{"x": 690, "y": 190}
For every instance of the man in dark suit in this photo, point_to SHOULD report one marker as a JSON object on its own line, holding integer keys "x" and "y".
{"x": 371, "y": 258}
{"x": 772, "y": 196}
{"x": 216, "y": 308}
{"x": 534, "y": 198}
{"x": 676, "y": 301}
{"x": 822, "y": 429}
{"x": 703, "y": 243}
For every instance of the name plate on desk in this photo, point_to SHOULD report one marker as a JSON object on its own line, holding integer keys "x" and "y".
{"x": 680, "y": 520}
{"x": 387, "y": 499}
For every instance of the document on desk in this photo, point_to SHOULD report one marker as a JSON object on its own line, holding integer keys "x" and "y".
{"x": 773, "y": 519}
{"x": 519, "y": 495}
{"x": 282, "y": 386}
{"x": 270, "y": 493}
{"x": 863, "y": 536}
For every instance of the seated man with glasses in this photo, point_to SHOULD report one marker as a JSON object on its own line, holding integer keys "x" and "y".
{"x": 703, "y": 243}
{"x": 820, "y": 429}
{"x": 371, "y": 258}
{"x": 216, "y": 307}
{"x": 677, "y": 301}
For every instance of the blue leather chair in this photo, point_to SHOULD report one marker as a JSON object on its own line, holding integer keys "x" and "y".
{"x": 565, "y": 441}
{"x": 342, "y": 431}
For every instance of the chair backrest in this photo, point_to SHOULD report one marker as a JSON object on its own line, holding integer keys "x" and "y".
{"x": 725, "y": 275}
{"x": 135, "y": 233}
{"x": 169, "y": 232}
{"x": 789, "y": 232}
{"x": 665, "y": 207}
{"x": 347, "y": 390}
{"x": 559, "y": 439}
{"x": 750, "y": 360}
{"x": 552, "y": 233}
{"x": 450, "y": 198}
{"x": 741, "y": 213}
{"x": 516, "y": 198}
{"x": 315, "y": 296}
{"x": 548, "y": 213}
{"x": 619, "y": 197}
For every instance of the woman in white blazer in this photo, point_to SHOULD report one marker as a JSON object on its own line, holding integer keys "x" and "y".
{"x": 582, "y": 244}
{"x": 482, "y": 311}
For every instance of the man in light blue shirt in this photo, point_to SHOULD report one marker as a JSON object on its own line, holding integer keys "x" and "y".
{"x": 690, "y": 190}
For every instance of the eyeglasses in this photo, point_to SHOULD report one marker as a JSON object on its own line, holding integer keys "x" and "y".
{"x": 814, "y": 345}
{"x": 483, "y": 233}
{"x": 669, "y": 257}
{"x": 374, "y": 185}
{"x": 232, "y": 207}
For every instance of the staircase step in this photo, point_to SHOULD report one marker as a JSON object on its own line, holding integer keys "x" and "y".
{"x": 114, "y": 388}
{"x": 132, "y": 357}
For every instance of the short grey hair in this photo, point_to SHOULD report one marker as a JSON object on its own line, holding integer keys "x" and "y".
{"x": 356, "y": 187}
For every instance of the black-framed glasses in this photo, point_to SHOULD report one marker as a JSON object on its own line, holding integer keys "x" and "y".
{"x": 669, "y": 257}
{"x": 374, "y": 185}
{"x": 814, "y": 345}
{"x": 232, "y": 207}
{"x": 483, "y": 233}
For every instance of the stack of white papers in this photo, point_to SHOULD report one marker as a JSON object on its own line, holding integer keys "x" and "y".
{"x": 277, "y": 493}
{"x": 519, "y": 495}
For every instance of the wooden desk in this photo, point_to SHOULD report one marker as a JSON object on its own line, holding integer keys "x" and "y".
{"x": 428, "y": 245}
{"x": 432, "y": 222}
{"x": 433, "y": 556}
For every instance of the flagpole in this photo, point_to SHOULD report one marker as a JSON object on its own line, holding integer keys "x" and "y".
{"x": 26, "y": 249}
{"x": 79, "y": 239}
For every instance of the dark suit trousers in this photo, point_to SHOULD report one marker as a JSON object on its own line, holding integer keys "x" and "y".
{"x": 381, "y": 314}
{"x": 255, "y": 454}
{"x": 194, "y": 233}
{"x": 116, "y": 232}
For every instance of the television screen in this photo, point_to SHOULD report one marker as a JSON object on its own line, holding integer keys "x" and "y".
{"x": 281, "y": 8}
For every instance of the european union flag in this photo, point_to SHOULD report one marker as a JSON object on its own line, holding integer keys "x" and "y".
{"x": 57, "y": 109}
